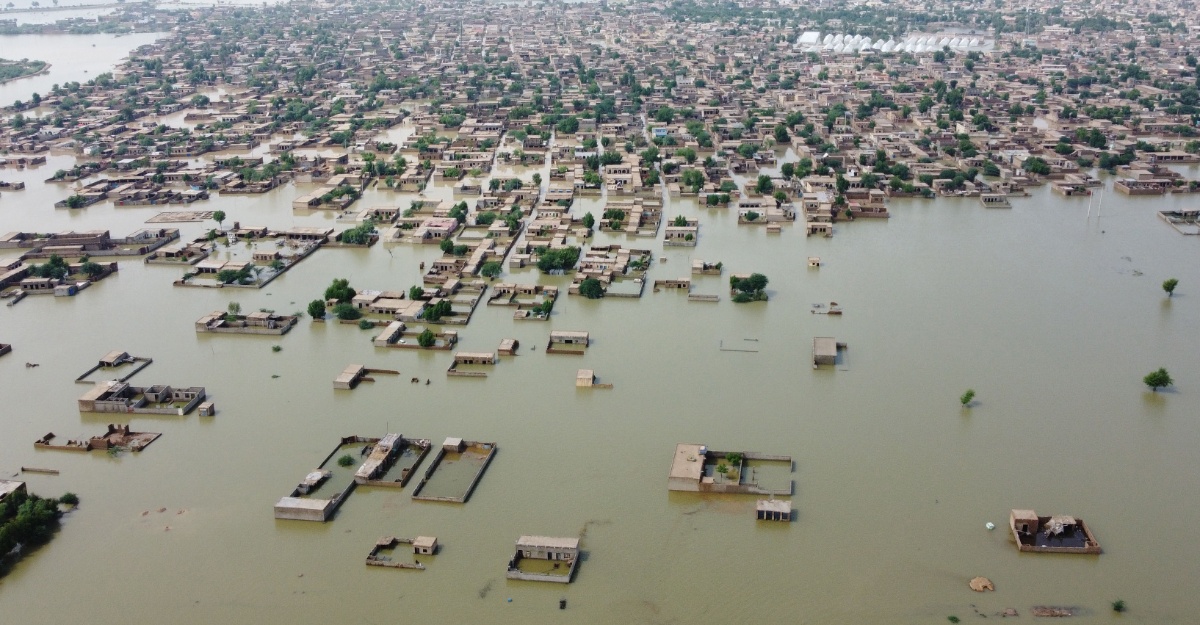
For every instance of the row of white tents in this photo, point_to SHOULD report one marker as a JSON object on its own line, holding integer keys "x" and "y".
{"x": 849, "y": 44}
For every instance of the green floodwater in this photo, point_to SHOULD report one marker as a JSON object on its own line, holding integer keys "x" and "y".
{"x": 1051, "y": 317}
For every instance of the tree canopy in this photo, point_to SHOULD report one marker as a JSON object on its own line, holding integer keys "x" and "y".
{"x": 1157, "y": 379}
{"x": 340, "y": 290}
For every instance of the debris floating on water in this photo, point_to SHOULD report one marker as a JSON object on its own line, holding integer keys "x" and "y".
{"x": 980, "y": 584}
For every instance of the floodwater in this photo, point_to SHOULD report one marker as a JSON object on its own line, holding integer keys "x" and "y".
{"x": 1052, "y": 317}
{"x": 72, "y": 58}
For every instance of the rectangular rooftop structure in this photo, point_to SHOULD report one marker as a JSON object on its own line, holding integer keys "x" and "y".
{"x": 773, "y": 510}
{"x": 1051, "y": 534}
{"x": 687, "y": 467}
{"x": 382, "y": 455}
{"x": 542, "y": 559}
{"x": 425, "y": 545}
{"x": 569, "y": 338}
{"x": 824, "y": 351}
{"x": 8, "y": 487}
{"x": 349, "y": 377}
{"x": 303, "y": 509}
{"x": 548, "y": 547}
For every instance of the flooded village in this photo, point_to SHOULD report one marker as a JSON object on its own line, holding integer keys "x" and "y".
{"x": 236, "y": 204}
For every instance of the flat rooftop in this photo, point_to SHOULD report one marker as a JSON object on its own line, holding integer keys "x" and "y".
{"x": 688, "y": 463}
{"x": 825, "y": 346}
{"x": 8, "y": 487}
{"x": 302, "y": 503}
{"x": 774, "y": 505}
{"x": 550, "y": 542}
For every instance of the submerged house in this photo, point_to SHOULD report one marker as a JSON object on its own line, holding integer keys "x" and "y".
{"x": 114, "y": 396}
{"x": 1051, "y": 534}
{"x": 562, "y": 555}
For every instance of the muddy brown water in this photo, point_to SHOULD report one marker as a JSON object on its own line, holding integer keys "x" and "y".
{"x": 1051, "y": 317}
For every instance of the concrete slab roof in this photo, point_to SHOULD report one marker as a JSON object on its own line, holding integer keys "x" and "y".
{"x": 302, "y": 503}
{"x": 774, "y": 505}
{"x": 8, "y": 487}
{"x": 688, "y": 463}
{"x": 550, "y": 542}
{"x": 825, "y": 346}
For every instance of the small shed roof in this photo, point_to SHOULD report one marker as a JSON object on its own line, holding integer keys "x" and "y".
{"x": 426, "y": 542}
{"x": 113, "y": 357}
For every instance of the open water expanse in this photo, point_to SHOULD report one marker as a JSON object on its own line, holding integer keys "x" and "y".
{"x": 1053, "y": 318}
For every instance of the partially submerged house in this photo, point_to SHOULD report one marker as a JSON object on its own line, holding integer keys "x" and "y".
{"x": 349, "y": 377}
{"x": 825, "y": 351}
{"x": 116, "y": 396}
{"x": 8, "y": 487}
{"x": 116, "y": 436}
{"x": 567, "y": 342}
{"x": 260, "y": 322}
{"x": 383, "y": 456}
{"x": 544, "y": 559}
{"x": 381, "y": 554}
{"x": 455, "y": 471}
{"x": 1051, "y": 534}
{"x": 696, "y": 468}
{"x": 773, "y": 510}
{"x": 115, "y": 359}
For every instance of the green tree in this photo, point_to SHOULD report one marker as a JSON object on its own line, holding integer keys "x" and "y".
{"x": 435, "y": 312}
{"x": 781, "y": 134}
{"x": 345, "y": 461}
{"x": 764, "y": 185}
{"x": 426, "y": 338}
{"x": 1169, "y": 286}
{"x": 562, "y": 259}
{"x": 1156, "y": 379}
{"x": 346, "y": 311}
{"x": 589, "y": 220}
{"x": 358, "y": 235}
{"x": 316, "y": 309}
{"x": 693, "y": 179}
{"x": 91, "y": 270}
{"x": 967, "y": 397}
{"x": 340, "y": 290}
{"x": 750, "y": 289}
{"x": 491, "y": 269}
{"x": 591, "y": 288}
{"x": 219, "y": 217}
{"x": 415, "y": 292}
{"x": 1035, "y": 165}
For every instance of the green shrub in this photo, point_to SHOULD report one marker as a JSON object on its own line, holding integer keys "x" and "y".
{"x": 346, "y": 311}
